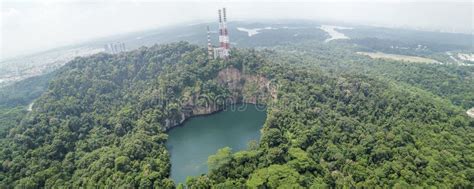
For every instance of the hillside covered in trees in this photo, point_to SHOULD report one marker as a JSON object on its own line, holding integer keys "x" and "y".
{"x": 103, "y": 119}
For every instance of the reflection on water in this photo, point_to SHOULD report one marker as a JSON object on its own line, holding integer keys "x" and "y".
{"x": 199, "y": 137}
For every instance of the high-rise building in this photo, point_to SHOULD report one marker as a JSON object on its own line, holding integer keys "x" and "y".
{"x": 115, "y": 48}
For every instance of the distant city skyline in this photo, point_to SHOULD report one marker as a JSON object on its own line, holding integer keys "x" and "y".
{"x": 29, "y": 27}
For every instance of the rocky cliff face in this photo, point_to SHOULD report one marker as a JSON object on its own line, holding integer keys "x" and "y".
{"x": 470, "y": 112}
{"x": 231, "y": 79}
{"x": 254, "y": 89}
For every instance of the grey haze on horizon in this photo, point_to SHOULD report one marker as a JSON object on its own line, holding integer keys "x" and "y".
{"x": 28, "y": 26}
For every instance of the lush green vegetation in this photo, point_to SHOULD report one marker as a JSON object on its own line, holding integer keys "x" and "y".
{"x": 411, "y": 42}
{"x": 9, "y": 118}
{"x": 15, "y": 99}
{"x": 24, "y": 92}
{"x": 452, "y": 82}
{"x": 102, "y": 122}
{"x": 351, "y": 131}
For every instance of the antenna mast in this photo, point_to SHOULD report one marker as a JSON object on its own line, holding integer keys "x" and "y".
{"x": 209, "y": 46}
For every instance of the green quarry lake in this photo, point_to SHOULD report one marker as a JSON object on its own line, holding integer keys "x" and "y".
{"x": 191, "y": 143}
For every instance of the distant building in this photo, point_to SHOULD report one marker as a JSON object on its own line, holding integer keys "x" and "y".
{"x": 115, "y": 48}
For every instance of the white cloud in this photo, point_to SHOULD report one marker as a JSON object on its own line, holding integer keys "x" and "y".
{"x": 29, "y": 26}
{"x": 10, "y": 12}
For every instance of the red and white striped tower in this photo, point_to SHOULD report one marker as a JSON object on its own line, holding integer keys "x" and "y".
{"x": 209, "y": 45}
{"x": 225, "y": 36}
{"x": 221, "y": 30}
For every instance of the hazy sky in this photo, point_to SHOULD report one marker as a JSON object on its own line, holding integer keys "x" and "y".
{"x": 29, "y": 26}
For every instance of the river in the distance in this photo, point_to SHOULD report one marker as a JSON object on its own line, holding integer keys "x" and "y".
{"x": 191, "y": 143}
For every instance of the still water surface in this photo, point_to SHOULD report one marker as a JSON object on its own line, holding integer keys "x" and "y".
{"x": 191, "y": 143}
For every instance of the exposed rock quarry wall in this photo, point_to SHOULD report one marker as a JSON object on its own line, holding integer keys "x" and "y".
{"x": 254, "y": 89}
{"x": 470, "y": 112}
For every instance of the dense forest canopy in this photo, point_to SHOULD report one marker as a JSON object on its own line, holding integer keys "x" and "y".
{"x": 452, "y": 82}
{"x": 335, "y": 122}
